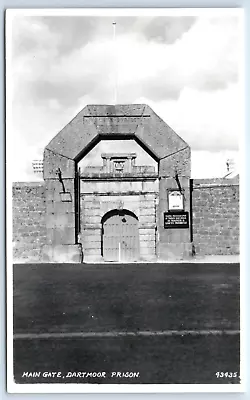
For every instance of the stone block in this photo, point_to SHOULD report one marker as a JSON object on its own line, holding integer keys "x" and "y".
{"x": 150, "y": 204}
{"x": 87, "y": 245}
{"x": 90, "y": 199}
{"x": 147, "y": 244}
{"x": 59, "y": 207}
{"x": 147, "y": 219}
{"x": 75, "y": 136}
{"x": 110, "y": 187}
{"x": 145, "y": 238}
{"x": 89, "y": 238}
{"x": 92, "y": 219}
{"x": 62, "y": 253}
{"x": 95, "y": 227}
{"x": 54, "y": 190}
{"x": 148, "y": 257}
{"x": 147, "y": 232}
{"x": 92, "y": 258}
{"x": 147, "y": 251}
{"x": 61, "y": 235}
{"x": 180, "y": 162}
{"x": 145, "y": 226}
{"x": 174, "y": 251}
{"x": 147, "y": 197}
{"x": 150, "y": 186}
{"x": 92, "y": 255}
{"x": 92, "y": 231}
{"x": 89, "y": 212}
{"x": 66, "y": 220}
{"x": 147, "y": 211}
{"x": 52, "y": 161}
{"x": 90, "y": 205}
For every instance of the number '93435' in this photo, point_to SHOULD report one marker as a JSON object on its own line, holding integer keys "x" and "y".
{"x": 227, "y": 374}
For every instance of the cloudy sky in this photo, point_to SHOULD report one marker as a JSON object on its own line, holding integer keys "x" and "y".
{"x": 185, "y": 67}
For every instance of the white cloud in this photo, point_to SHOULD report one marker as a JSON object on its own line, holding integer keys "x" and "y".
{"x": 191, "y": 82}
{"x": 205, "y": 120}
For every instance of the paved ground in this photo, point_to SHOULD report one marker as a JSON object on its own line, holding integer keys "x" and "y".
{"x": 218, "y": 259}
{"x": 172, "y": 323}
{"x": 177, "y": 359}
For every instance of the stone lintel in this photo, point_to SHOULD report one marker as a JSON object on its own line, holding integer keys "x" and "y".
{"x": 118, "y": 177}
{"x": 128, "y": 193}
{"x": 118, "y": 155}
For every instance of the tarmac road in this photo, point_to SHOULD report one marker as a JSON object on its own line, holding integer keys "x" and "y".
{"x": 171, "y": 323}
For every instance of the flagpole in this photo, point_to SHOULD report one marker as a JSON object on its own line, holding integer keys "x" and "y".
{"x": 115, "y": 64}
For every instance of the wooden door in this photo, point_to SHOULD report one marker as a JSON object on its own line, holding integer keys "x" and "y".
{"x": 120, "y": 237}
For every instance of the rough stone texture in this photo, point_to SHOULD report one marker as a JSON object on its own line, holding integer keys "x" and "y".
{"x": 216, "y": 216}
{"x": 179, "y": 163}
{"x": 215, "y": 222}
{"x": 52, "y": 161}
{"x": 215, "y": 204}
{"x": 75, "y": 136}
{"x": 113, "y": 187}
{"x": 94, "y": 207}
{"x": 136, "y": 120}
{"x": 62, "y": 253}
{"x": 29, "y": 227}
{"x": 60, "y": 216}
{"x": 172, "y": 241}
{"x": 158, "y": 136}
{"x": 98, "y": 122}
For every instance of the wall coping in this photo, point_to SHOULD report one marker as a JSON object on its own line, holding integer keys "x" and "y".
{"x": 27, "y": 184}
{"x": 120, "y": 178}
{"x": 216, "y": 182}
{"x": 197, "y": 183}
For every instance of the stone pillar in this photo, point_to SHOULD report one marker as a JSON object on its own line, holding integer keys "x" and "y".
{"x": 91, "y": 234}
{"x": 60, "y": 210}
{"x": 147, "y": 242}
{"x": 91, "y": 242}
{"x": 129, "y": 165}
{"x": 174, "y": 243}
{"x": 147, "y": 227}
{"x": 105, "y": 164}
{"x": 108, "y": 166}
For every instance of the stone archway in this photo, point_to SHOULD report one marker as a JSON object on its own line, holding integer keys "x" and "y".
{"x": 95, "y": 123}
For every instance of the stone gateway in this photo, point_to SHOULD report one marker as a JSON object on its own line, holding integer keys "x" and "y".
{"x": 119, "y": 210}
{"x": 118, "y": 185}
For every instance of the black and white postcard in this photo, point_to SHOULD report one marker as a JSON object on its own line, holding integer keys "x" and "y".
{"x": 124, "y": 129}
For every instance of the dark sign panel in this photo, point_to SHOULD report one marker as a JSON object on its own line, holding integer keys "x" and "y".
{"x": 173, "y": 220}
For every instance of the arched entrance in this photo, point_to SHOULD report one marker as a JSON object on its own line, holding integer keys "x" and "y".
{"x": 120, "y": 236}
{"x": 63, "y": 186}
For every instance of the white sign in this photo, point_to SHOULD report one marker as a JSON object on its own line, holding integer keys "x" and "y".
{"x": 175, "y": 200}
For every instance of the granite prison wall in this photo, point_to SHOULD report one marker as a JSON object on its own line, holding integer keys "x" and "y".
{"x": 216, "y": 216}
{"x": 29, "y": 229}
{"x": 215, "y": 205}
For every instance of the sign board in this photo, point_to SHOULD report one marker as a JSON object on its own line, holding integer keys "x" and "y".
{"x": 175, "y": 200}
{"x": 176, "y": 220}
{"x": 66, "y": 197}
